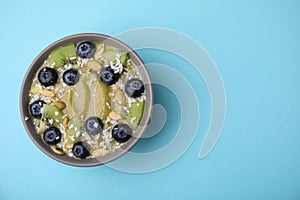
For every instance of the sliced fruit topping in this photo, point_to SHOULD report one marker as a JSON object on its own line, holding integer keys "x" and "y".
{"x": 52, "y": 136}
{"x": 73, "y": 131}
{"x": 85, "y": 50}
{"x": 94, "y": 66}
{"x": 80, "y": 150}
{"x": 100, "y": 100}
{"x": 53, "y": 114}
{"x": 93, "y": 125}
{"x": 71, "y": 77}
{"x": 121, "y": 132}
{"x": 78, "y": 97}
{"x": 108, "y": 77}
{"x": 118, "y": 101}
{"x": 89, "y": 97}
{"x": 134, "y": 88}
{"x": 63, "y": 55}
{"x": 47, "y": 76}
{"x": 100, "y": 48}
{"x": 136, "y": 113}
{"x": 35, "y": 109}
{"x": 111, "y": 55}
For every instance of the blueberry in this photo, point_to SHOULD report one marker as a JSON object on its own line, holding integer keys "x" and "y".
{"x": 108, "y": 77}
{"x": 85, "y": 50}
{"x": 35, "y": 109}
{"x": 93, "y": 125}
{"x": 80, "y": 151}
{"x": 71, "y": 77}
{"x": 52, "y": 135}
{"x": 47, "y": 76}
{"x": 121, "y": 132}
{"x": 134, "y": 88}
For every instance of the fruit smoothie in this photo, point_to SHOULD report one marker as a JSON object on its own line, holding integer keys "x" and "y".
{"x": 87, "y": 99}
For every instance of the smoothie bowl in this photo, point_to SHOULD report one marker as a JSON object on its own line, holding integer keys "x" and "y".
{"x": 86, "y": 99}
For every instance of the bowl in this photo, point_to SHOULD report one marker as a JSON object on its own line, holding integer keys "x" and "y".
{"x": 24, "y": 100}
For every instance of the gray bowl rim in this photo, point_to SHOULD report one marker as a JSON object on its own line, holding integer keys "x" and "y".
{"x": 34, "y": 66}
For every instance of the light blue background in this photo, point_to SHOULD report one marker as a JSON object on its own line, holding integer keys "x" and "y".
{"x": 256, "y": 46}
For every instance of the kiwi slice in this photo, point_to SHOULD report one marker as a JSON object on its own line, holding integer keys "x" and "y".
{"x": 111, "y": 55}
{"x": 62, "y": 55}
{"x": 136, "y": 113}
{"x": 51, "y": 112}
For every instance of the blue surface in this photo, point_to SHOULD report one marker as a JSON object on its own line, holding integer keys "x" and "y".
{"x": 256, "y": 46}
